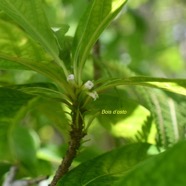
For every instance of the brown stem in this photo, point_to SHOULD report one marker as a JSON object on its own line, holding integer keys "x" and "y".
{"x": 96, "y": 59}
{"x": 76, "y": 135}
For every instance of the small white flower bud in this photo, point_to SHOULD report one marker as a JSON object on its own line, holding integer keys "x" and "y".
{"x": 89, "y": 85}
{"x": 94, "y": 95}
{"x": 70, "y": 77}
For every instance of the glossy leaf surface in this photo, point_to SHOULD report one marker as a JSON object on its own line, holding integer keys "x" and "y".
{"x": 160, "y": 169}
{"x": 107, "y": 168}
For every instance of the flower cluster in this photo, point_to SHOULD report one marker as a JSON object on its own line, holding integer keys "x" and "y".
{"x": 87, "y": 86}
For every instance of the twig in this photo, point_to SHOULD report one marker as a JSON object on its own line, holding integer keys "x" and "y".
{"x": 96, "y": 58}
{"x": 76, "y": 135}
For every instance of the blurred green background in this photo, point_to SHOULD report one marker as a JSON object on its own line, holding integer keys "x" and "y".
{"x": 148, "y": 37}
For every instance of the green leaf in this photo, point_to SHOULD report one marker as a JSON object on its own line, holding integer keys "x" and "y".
{"x": 164, "y": 169}
{"x": 112, "y": 107}
{"x": 65, "y": 45}
{"x": 107, "y": 168}
{"x": 23, "y": 146}
{"x": 168, "y": 114}
{"x": 96, "y": 18}
{"x": 7, "y": 65}
{"x": 56, "y": 115}
{"x": 24, "y": 54}
{"x": 5, "y": 153}
{"x": 14, "y": 42}
{"x": 130, "y": 125}
{"x": 46, "y": 68}
{"x": 45, "y": 90}
{"x": 11, "y": 102}
{"x": 173, "y": 85}
{"x": 31, "y": 16}
{"x": 46, "y": 93}
{"x": 143, "y": 134}
{"x": 60, "y": 34}
{"x": 4, "y": 167}
{"x": 65, "y": 52}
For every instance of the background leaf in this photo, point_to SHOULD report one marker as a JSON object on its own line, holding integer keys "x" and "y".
{"x": 143, "y": 135}
{"x": 14, "y": 42}
{"x": 112, "y": 106}
{"x": 4, "y": 167}
{"x": 4, "y": 146}
{"x": 12, "y": 101}
{"x": 107, "y": 168}
{"x": 159, "y": 170}
{"x": 30, "y": 16}
{"x": 23, "y": 147}
{"x": 24, "y": 54}
{"x": 167, "y": 112}
{"x": 166, "y": 108}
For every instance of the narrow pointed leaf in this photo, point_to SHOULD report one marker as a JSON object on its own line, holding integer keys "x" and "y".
{"x": 7, "y": 65}
{"x": 46, "y": 68}
{"x": 45, "y": 90}
{"x": 173, "y": 85}
{"x": 96, "y": 18}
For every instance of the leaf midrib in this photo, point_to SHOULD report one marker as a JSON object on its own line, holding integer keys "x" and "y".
{"x": 47, "y": 45}
{"x": 93, "y": 36}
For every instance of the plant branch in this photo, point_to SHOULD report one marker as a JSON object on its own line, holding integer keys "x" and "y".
{"x": 76, "y": 135}
{"x": 97, "y": 58}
